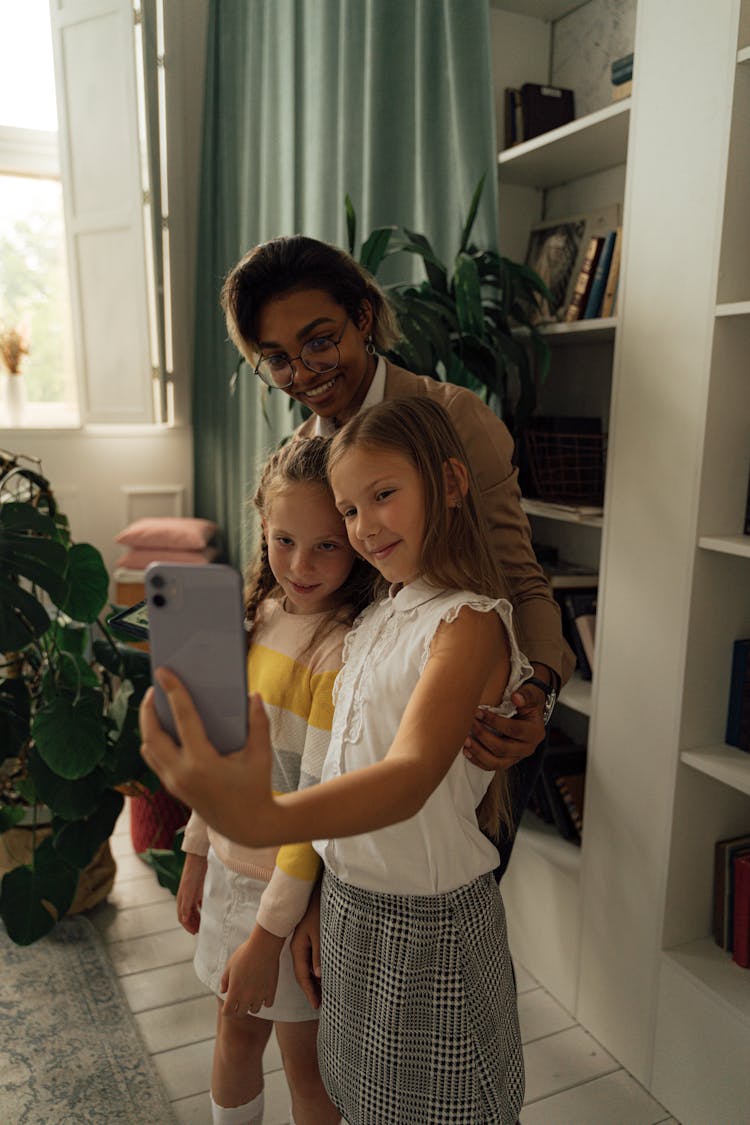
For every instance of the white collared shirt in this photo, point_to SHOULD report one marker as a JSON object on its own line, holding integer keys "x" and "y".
{"x": 324, "y": 427}
{"x": 441, "y": 847}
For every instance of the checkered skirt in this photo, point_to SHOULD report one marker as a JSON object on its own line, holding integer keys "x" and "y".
{"x": 419, "y": 1024}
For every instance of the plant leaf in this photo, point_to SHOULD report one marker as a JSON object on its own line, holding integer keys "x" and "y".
{"x": 78, "y": 841}
{"x": 468, "y": 296}
{"x": 71, "y": 800}
{"x": 437, "y": 274}
{"x": 34, "y": 896}
{"x": 375, "y": 248}
{"x": 10, "y": 816}
{"x": 22, "y": 618}
{"x": 86, "y": 583}
{"x": 473, "y": 208}
{"x": 69, "y": 733}
{"x": 351, "y": 223}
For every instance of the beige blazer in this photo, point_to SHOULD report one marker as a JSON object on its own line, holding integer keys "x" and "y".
{"x": 489, "y": 447}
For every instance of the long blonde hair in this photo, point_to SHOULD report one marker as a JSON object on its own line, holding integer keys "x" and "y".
{"x": 300, "y": 461}
{"x": 456, "y": 551}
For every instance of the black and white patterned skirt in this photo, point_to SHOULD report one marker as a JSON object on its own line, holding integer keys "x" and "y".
{"x": 419, "y": 1023}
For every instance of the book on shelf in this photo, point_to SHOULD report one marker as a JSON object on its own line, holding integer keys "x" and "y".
{"x": 512, "y": 109}
{"x": 595, "y": 299}
{"x": 565, "y": 760}
{"x": 741, "y": 914}
{"x": 621, "y": 70}
{"x": 585, "y": 279}
{"x": 725, "y": 852}
{"x": 746, "y": 527}
{"x": 580, "y": 608}
{"x": 738, "y": 713}
{"x": 608, "y": 300}
{"x": 619, "y": 93}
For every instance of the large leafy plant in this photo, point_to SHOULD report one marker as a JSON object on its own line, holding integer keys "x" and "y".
{"x": 69, "y": 696}
{"x": 458, "y": 323}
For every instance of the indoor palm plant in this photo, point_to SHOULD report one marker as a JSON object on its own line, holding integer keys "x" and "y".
{"x": 457, "y": 324}
{"x": 69, "y": 696}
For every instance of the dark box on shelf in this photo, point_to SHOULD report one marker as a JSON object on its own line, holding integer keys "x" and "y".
{"x": 544, "y": 108}
{"x": 566, "y": 459}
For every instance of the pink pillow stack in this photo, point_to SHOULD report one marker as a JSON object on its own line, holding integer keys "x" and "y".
{"x": 183, "y": 539}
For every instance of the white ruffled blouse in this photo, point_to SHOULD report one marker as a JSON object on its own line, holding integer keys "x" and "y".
{"x": 441, "y": 847}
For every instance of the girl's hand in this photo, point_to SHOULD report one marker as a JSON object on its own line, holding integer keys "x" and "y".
{"x": 190, "y": 892}
{"x": 252, "y": 974}
{"x": 305, "y": 946}
{"x": 497, "y": 743}
{"x": 232, "y": 792}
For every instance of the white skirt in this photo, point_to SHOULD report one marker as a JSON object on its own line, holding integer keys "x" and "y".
{"x": 228, "y": 915}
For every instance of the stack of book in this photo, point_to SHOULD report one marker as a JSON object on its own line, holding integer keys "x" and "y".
{"x": 595, "y": 291}
{"x": 622, "y": 77}
{"x": 732, "y": 897}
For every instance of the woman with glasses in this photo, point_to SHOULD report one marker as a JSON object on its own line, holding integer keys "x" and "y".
{"x": 312, "y": 322}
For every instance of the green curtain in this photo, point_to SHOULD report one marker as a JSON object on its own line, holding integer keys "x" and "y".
{"x": 306, "y": 100}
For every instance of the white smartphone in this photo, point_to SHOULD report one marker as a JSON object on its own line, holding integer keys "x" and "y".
{"x": 196, "y": 629}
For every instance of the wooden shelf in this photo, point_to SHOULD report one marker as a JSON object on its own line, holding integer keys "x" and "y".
{"x": 734, "y": 308}
{"x": 713, "y": 971}
{"x": 743, "y": 55}
{"x": 723, "y": 763}
{"x": 580, "y": 148}
{"x": 597, "y": 331}
{"x": 726, "y": 544}
{"x": 577, "y": 694}
{"x": 559, "y": 512}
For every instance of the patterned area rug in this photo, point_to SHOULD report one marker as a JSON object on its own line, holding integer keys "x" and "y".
{"x": 70, "y": 1051}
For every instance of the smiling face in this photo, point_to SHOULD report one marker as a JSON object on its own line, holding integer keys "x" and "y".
{"x": 288, "y": 322}
{"x": 308, "y": 550}
{"x": 379, "y": 493}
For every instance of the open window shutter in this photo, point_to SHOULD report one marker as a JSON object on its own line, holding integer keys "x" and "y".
{"x": 100, "y": 167}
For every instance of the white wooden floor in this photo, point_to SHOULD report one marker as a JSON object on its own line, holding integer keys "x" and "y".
{"x": 570, "y": 1078}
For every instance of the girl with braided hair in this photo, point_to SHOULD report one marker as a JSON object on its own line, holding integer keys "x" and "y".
{"x": 302, "y": 593}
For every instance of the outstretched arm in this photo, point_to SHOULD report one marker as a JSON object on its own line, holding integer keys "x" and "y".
{"x": 233, "y": 792}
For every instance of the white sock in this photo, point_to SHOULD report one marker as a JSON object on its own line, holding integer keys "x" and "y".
{"x": 251, "y": 1113}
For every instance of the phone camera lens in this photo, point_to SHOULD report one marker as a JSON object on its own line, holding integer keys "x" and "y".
{"x": 157, "y": 581}
{"x": 158, "y": 600}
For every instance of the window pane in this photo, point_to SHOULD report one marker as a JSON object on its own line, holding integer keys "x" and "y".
{"x": 34, "y": 284}
{"x": 27, "y": 77}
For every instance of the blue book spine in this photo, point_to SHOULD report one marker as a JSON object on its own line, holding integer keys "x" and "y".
{"x": 740, "y": 657}
{"x": 599, "y": 284}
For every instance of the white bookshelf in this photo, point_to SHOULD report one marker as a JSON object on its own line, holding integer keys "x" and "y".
{"x": 724, "y": 763}
{"x": 561, "y": 513}
{"x": 588, "y": 144}
{"x": 577, "y": 695}
{"x": 642, "y": 971}
{"x": 597, "y": 330}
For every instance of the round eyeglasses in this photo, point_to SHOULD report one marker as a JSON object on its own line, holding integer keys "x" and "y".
{"x": 321, "y": 354}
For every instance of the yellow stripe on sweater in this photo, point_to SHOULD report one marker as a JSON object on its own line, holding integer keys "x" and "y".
{"x": 284, "y": 682}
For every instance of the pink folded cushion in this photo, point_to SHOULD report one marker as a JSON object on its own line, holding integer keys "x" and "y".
{"x": 177, "y": 533}
{"x": 140, "y": 559}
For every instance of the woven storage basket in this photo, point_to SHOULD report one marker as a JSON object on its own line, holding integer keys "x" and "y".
{"x": 567, "y": 468}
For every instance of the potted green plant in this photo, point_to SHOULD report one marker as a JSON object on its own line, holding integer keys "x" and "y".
{"x": 458, "y": 323}
{"x": 69, "y": 696}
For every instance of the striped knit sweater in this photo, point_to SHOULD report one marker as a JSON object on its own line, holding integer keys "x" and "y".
{"x": 296, "y": 686}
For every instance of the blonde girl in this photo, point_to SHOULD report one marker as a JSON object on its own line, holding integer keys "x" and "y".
{"x": 419, "y": 1019}
{"x": 243, "y": 903}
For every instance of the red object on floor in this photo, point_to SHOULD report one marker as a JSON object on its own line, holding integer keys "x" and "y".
{"x": 154, "y": 819}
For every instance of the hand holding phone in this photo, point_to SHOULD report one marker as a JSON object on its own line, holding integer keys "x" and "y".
{"x": 196, "y": 630}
